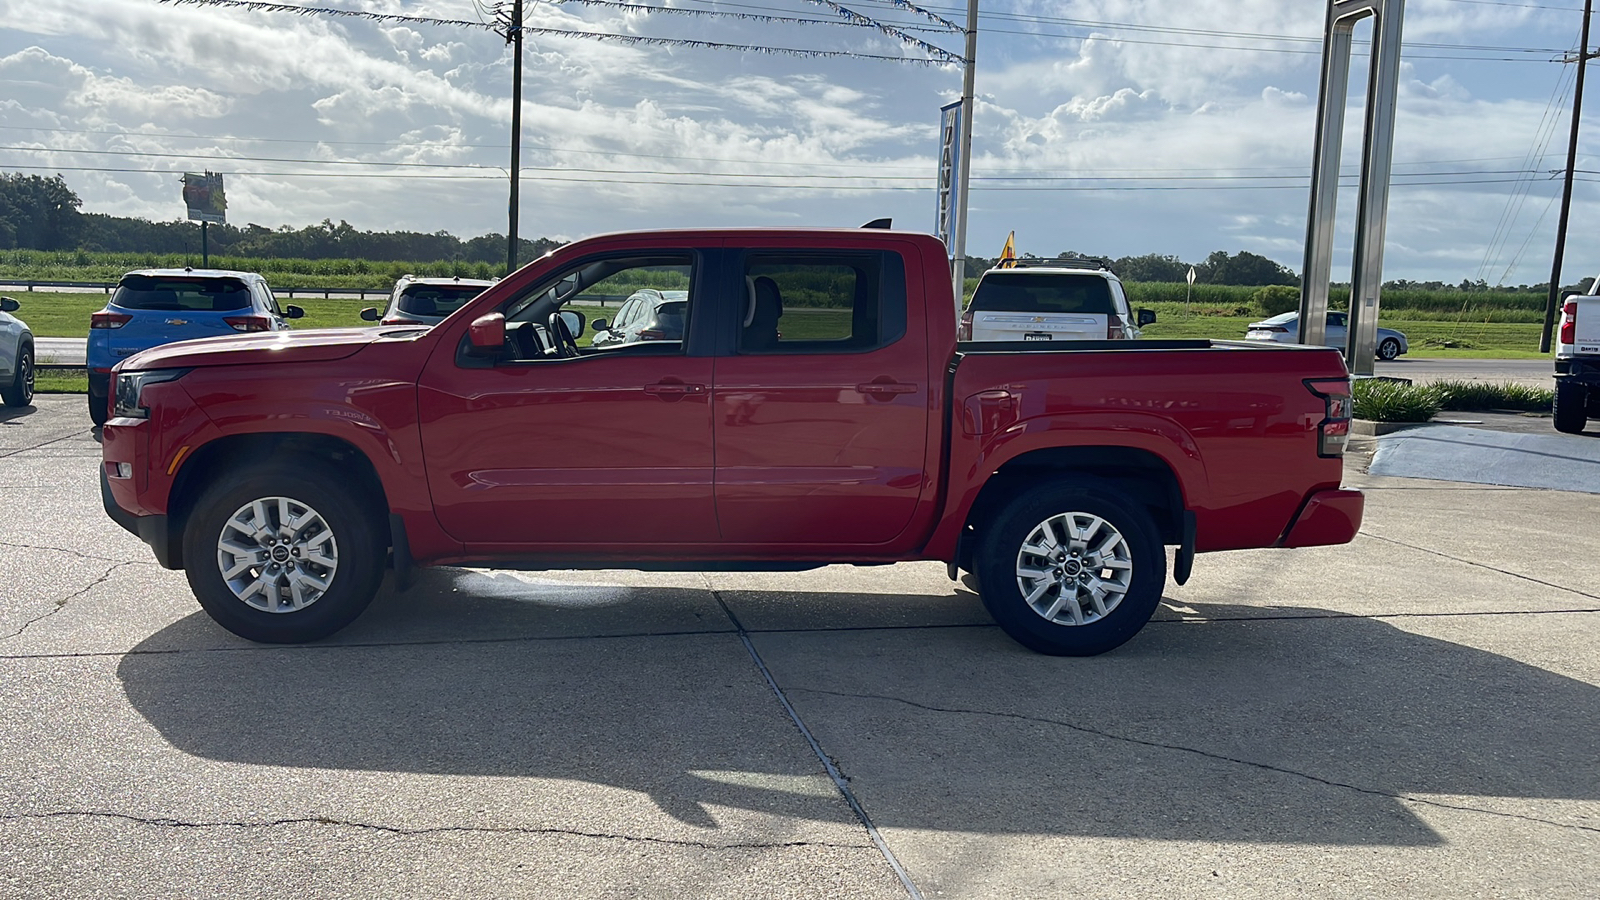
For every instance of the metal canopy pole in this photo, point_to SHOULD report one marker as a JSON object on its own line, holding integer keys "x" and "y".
{"x": 1566, "y": 189}
{"x": 958, "y": 236}
{"x": 1372, "y": 211}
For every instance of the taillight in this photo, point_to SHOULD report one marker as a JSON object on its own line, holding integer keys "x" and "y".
{"x": 1114, "y": 330}
{"x": 964, "y": 329}
{"x": 1276, "y": 329}
{"x": 105, "y": 319}
{"x": 249, "y": 323}
{"x": 400, "y": 320}
{"x": 1334, "y": 429}
{"x": 1569, "y": 322}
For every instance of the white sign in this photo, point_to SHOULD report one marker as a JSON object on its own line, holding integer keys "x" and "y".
{"x": 949, "y": 170}
{"x": 1191, "y": 275}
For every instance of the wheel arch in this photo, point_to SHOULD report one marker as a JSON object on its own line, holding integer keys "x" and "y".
{"x": 1143, "y": 475}
{"x": 224, "y": 454}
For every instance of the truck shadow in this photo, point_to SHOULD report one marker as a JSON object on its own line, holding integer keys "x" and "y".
{"x": 1318, "y": 729}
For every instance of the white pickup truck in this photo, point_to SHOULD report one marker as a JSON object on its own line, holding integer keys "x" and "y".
{"x": 1578, "y": 361}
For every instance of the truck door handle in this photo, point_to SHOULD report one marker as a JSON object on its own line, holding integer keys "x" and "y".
{"x": 879, "y": 388}
{"x": 673, "y": 388}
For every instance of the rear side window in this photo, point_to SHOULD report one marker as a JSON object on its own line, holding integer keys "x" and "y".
{"x": 178, "y": 293}
{"x": 437, "y": 299}
{"x": 1040, "y": 293}
{"x": 821, "y": 302}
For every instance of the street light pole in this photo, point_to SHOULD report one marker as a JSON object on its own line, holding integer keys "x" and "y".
{"x": 514, "y": 38}
{"x": 1566, "y": 190}
{"x": 958, "y": 236}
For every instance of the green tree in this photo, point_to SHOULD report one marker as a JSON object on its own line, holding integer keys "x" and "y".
{"x": 1244, "y": 268}
{"x": 38, "y": 213}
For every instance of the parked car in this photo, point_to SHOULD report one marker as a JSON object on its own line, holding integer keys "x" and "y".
{"x": 1577, "y": 398}
{"x": 1071, "y": 299}
{"x": 151, "y": 307}
{"x": 425, "y": 301}
{"x": 647, "y": 315}
{"x": 1285, "y": 329}
{"x": 16, "y": 356}
{"x": 286, "y": 473}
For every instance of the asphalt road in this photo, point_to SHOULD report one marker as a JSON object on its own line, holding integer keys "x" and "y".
{"x": 1411, "y": 716}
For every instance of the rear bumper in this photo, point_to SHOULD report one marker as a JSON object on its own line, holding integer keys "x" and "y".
{"x": 1582, "y": 369}
{"x": 152, "y": 530}
{"x": 1328, "y": 517}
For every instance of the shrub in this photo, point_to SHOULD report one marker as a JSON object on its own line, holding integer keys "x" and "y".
{"x": 1483, "y": 395}
{"x": 1394, "y": 401}
{"x": 1276, "y": 299}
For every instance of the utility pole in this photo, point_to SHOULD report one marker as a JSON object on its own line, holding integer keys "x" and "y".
{"x": 514, "y": 38}
{"x": 958, "y": 237}
{"x": 1566, "y": 189}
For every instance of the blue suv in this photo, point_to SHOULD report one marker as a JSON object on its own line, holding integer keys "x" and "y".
{"x": 158, "y": 306}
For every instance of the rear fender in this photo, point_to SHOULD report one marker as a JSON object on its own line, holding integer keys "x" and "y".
{"x": 1142, "y": 435}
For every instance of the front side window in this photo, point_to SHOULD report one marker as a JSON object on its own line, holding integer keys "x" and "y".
{"x": 820, "y": 302}
{"x": 592, "y": 289}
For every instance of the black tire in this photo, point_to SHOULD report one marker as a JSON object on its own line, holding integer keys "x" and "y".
{"x": 359, "y": 550}
{"x": 1570, "y": 408}
{"x": 1388, "y": 349}
{"x": 99, "y": 404}
{"x": 1594, "y": 403}
{"x": 20, "y": 391}
{"x": 1000, "y": 555}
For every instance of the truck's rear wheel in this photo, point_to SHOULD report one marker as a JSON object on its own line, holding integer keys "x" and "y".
{"x": 1570, "y": 408}
{"x": 1072, "y": 570}
{"x": 283, "y": 555}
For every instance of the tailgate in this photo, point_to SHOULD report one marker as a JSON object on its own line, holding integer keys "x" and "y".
{"x": 154, "y": 327}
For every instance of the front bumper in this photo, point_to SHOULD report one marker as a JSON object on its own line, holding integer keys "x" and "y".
{"x": 1328, "y": 517}
{"x": 153, "y": 530}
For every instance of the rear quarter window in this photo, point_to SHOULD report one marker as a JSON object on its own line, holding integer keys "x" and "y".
{"x": 1034, "y": 293}
{"x": 191, "y": 294}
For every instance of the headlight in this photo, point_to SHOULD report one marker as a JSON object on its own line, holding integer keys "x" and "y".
{"x": 130, "y": 385}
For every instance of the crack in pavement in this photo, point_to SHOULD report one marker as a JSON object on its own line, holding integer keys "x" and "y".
{"x": 1559, "y": 587}
{"x": 1180, "y": 748}
{"x": 67, "y": 550}
{"x": 163, "y": 822}
{"x": 46, "y": 443}
{"x": 62, "y": 603}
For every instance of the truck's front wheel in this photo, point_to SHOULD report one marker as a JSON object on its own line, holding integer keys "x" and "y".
{"x": 283, "y": 555}
{"x": 1072, "y": 570}
{"x": 1570, "y": 408}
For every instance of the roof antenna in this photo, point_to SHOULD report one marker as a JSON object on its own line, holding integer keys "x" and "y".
{"x": 880, "y": 223}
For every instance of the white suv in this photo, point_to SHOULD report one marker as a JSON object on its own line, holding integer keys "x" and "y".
{"x": 16, "y": 356}
{"x": 1073, "y": 299}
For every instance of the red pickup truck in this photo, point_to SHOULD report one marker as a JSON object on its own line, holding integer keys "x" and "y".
{"x": 814, "y": 408}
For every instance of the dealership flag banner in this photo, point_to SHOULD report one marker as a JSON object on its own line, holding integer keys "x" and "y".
{"x": 949, "y": 169}
{"x": 203, "y": 195}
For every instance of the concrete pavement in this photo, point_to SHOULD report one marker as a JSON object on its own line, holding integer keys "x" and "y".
{"x": 1413, "y": 715}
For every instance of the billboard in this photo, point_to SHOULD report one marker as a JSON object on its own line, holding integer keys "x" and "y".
{"x": 203, "y": 195}
{"x": 949, "y": 169}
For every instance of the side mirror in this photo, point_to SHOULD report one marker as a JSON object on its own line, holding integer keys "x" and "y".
{"x": 1146, "y": 317}
{"x": 370, "y": 315}
{"x": 9, "y": 305}
{"x": 601, "y": 325}
{"x": 488, "y": 332}
{"x": 574, "y": 320}
{"x": 293, "y": 312}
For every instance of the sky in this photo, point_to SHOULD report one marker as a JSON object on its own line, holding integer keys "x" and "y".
{"x": 1111, "y": 127}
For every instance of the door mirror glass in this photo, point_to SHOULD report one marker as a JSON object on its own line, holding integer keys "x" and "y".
{"x": 369, "y": 314}
{"x": 488, "y": 332}
{"x": 9, "y": 305}
{"x": 293, "y": 312}
{"x": 601, "y": 325}
{"x": 1146, "y": 317}
{"x": 574, "y": 320}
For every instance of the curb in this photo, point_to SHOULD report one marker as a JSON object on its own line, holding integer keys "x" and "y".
{"x": 1369, "y": 428}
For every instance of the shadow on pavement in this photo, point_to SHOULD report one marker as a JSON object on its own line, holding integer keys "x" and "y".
{"x": 1302, "y": 731}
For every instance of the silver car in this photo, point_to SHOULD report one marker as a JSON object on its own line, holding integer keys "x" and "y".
{"x": 1285, "y": 329}
{"x": 425, "y": 301}
{"x": 16, "y": 356}
{"x": 647, "y": 315}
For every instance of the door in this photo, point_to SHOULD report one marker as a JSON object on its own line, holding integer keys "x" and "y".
{"x": 821, "y": 407}
{"x": 604, "y": 449}
{"x": 1336, "y": 333}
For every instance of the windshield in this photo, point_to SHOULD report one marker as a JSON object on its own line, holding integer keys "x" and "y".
{"x": 437, "y": 299}
{"x": 1039, "y": 293}
{"x": 179, "y": 293}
